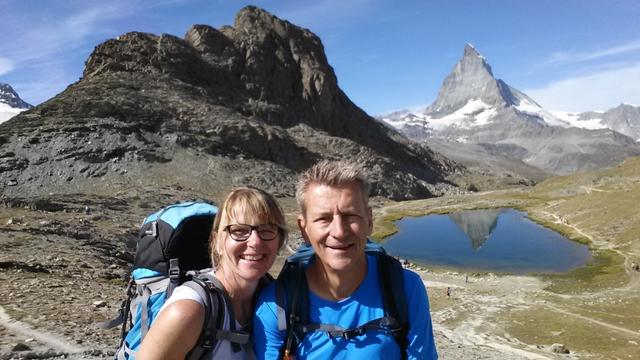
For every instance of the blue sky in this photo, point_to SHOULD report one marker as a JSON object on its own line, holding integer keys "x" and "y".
{"x": 572, "y": 55}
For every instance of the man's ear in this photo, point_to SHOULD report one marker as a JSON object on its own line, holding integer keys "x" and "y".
{"x": 370, "y": 220}
{"x": 302, "y": 223}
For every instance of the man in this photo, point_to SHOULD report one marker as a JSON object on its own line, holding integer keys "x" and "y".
{"x": 343, "y": 287}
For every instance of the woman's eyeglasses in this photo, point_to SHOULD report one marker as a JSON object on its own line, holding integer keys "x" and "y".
{"x": 241, "y": 232}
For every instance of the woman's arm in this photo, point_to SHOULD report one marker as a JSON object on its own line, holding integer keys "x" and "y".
{"x": 174, "y": 332}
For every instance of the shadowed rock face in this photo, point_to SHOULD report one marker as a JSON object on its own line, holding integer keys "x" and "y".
{"x": 257, "y": 99}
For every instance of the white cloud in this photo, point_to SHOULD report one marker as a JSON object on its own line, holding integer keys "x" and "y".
{"x": 5, "y": 65}
{"x": 598, "y": 91}
{"x": 53, "y": 36}
{"x": 579, "y": 56}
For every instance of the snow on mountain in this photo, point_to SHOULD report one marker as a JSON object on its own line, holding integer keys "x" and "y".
{"x": 7, "y": 112}
{"x": 548, "y": 118}
{"x": 573, "y": 119}
{"x": 473, "y": 108}
{"x": 474, "y": 113}
{"x": 10, "y": 103}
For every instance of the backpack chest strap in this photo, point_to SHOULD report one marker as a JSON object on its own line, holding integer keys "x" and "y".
{"x": 387, "y": 324}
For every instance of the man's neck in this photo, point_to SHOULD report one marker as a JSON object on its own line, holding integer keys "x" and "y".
{"x": 335, "y": 285}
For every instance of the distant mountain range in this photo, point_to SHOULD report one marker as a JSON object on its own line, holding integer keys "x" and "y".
{"x": 624, "y": 118}
{"x": 10, "y": 103}
{"x": 477, "y": 117}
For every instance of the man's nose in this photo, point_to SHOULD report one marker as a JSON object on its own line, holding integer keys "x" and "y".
{"x": 337, "y": 229}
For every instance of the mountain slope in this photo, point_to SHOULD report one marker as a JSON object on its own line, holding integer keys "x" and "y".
{"x": 474, "y": 108}
{"x": 624, "y": 118}
{"x": 252, "y": 103}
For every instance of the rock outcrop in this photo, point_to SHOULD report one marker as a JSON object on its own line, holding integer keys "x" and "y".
{"x": 252, "y": 103}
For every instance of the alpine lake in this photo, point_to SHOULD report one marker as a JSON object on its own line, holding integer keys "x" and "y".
{"x": 496, "y": 240}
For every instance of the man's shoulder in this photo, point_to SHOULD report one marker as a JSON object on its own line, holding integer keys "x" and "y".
{"x": 268, "y": 293}
{"x": 411, "y": 276}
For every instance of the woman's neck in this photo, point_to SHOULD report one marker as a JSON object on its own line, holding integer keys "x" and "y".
{"x": 240, "y": 291}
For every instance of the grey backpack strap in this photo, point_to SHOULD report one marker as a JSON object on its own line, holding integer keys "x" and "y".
{"x": 216, "y": 304}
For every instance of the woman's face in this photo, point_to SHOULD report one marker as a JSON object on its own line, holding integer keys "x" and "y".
{"x": 252, "y": 258}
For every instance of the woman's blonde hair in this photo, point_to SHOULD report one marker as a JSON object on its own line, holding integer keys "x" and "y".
{"x": 256, "y": 205}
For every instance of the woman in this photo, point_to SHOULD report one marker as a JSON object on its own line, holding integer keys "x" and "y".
{"x": 246, "y": 236}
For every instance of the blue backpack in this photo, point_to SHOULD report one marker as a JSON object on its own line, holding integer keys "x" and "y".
{"x": 292, "y": 300}
{"x": 172, "y": 250}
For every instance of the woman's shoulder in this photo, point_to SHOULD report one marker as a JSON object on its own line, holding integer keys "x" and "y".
{"x": 184, "y": 292}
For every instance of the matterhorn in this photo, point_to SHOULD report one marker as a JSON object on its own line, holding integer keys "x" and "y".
{"x": 477, "y": 117}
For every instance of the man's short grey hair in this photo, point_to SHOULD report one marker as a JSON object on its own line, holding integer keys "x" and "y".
{"x": 331, "y": 173}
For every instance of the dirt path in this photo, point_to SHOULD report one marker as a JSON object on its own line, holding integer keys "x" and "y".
{"x": 594, "y": 321}
{"x": 21, "y": 329}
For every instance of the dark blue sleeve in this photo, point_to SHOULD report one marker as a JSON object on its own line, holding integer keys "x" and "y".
{"x": 420, "y": 336}
{"x": 267, "y": 339}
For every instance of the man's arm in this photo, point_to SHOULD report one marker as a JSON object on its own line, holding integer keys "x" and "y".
{"x": 267, "y": 339}
{"x": 420, "y": 336}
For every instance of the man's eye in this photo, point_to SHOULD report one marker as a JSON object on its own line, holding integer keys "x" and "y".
{"x": 353, "y": 218}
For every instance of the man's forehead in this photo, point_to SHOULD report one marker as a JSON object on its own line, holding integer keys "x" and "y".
{"x": 321, "y": 197}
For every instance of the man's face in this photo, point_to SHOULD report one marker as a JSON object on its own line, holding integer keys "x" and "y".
{"x": 337, "y": 223}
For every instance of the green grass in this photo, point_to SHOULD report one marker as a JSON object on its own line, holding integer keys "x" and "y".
{"x": 605, "y": 270}
{"x": 543, "y": 326}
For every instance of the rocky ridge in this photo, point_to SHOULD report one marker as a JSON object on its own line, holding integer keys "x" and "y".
{"x": 475, "y": 113}
{"x": 257, "y": 101}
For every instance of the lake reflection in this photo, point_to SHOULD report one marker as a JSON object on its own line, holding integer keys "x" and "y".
{"x": 494, "y": 240}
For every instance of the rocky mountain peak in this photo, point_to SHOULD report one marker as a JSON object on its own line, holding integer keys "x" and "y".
{"x": 471, "y": 53}
{"x": 625, "y": 119}
{"x": 9, "y": 97}
{"x": 476, "y": 113}
{"x": 471, "y": 79}
{"x": 251, "y": 103}
{"x": 255, "y": 20}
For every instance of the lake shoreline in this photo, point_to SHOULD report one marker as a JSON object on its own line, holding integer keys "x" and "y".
{"x": 489, "y": 315}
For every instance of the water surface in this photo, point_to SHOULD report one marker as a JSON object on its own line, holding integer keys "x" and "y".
{"x": 502, "y": 240}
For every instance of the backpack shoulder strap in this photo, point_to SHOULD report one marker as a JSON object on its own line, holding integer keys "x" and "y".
{"x": 391, "y": 277}
{"x": 292, "y": 299}
{"x": 216, "y": 303}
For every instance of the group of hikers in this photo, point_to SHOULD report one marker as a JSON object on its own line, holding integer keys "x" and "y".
{"x": 344, "y": 305}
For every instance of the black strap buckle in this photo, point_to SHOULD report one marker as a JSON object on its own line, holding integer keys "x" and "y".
{"x": 350, "y": 334}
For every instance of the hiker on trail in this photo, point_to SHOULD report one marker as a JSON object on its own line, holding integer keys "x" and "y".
{"x": 345, "y": 306}
{"x": 246, "y": 236}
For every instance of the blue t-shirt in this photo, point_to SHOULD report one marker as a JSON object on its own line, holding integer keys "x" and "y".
{"x": 364, "y": 305}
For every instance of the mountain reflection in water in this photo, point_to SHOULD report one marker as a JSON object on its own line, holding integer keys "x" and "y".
{"x": 502, "y": 240}
{"x": 477, "y": 224}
